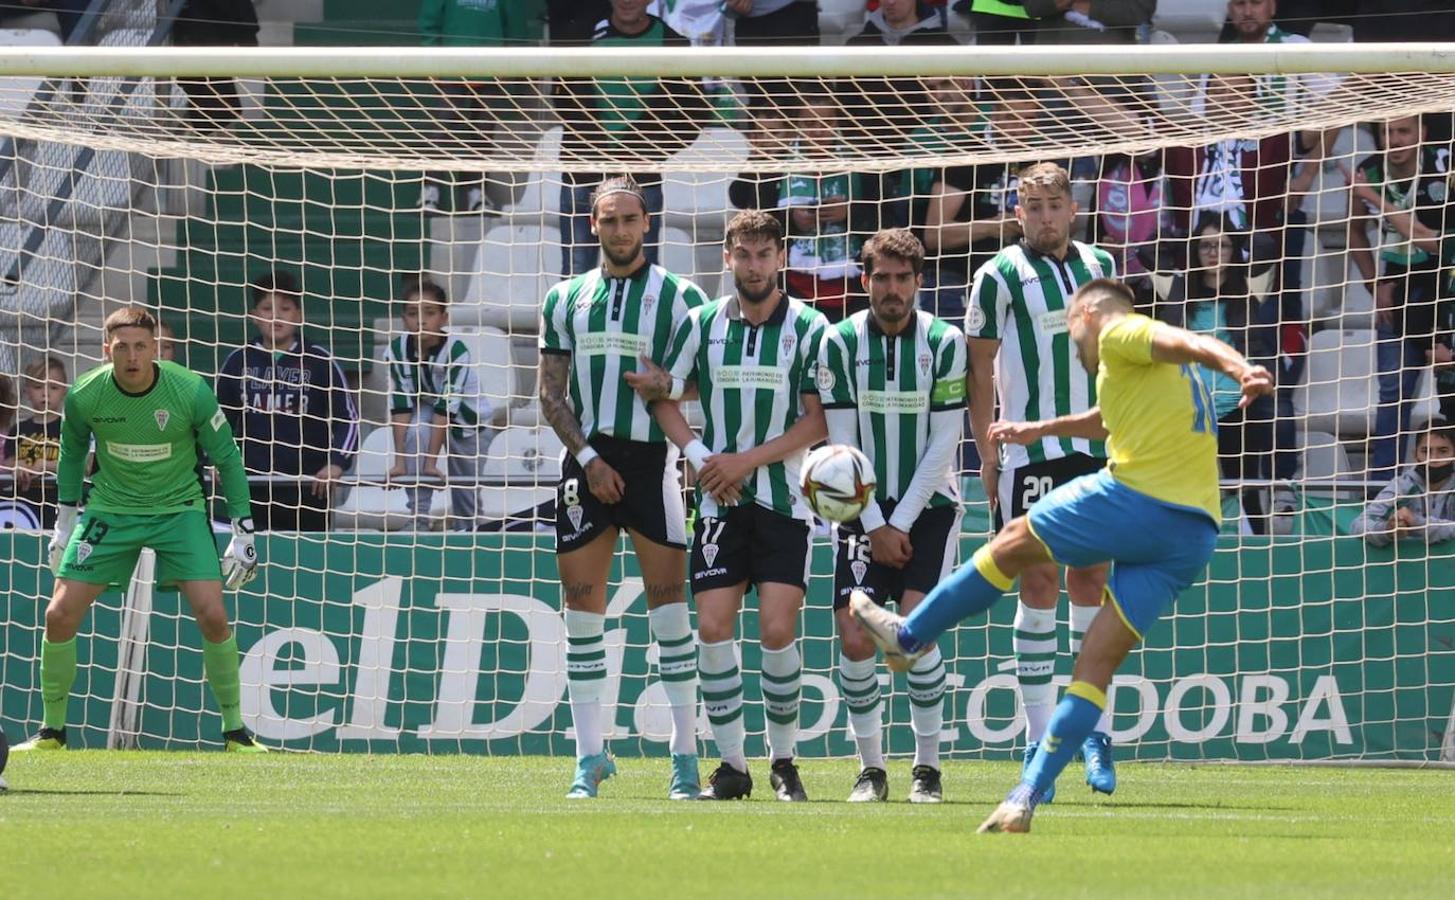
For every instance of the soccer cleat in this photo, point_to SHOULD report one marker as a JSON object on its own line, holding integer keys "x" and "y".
{"x": 686, "y": 784}
{"x": 786, "y": 783}
{"x": 240, "y": 741}
{"x": 45, "y": 739}
{"x": 883, "y": 627}
{"x": 872, "y": 786}
{"x": 926, "y": 785}
{"x": 1032, "y": 749}
{"x": 727, "y": 783}
{"x": 1013, "y": 815}
{"x": 590, "y": 772}
{"x": 1101, "y": 772}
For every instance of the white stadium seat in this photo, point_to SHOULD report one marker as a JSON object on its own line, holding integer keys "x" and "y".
{"x": 1341, "y": 391}
{"x": 514, "y": 267}
{"x": 520, "y": 471}
{"x": 368, "y": 506}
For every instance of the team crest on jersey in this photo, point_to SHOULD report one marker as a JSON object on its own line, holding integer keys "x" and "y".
{"x": 974, "y": 318}
{"x": 575, "y": 514}
{"x": 860, "y": 569}
{"x": 789, "y": 342}
{"x": 83, "y": 550}
{"x": 162, "y": 417}
{"x": 924, "y": 364}
{"x": 648, "y": 301}
{"x": 824, "y": 377}
{"x": 709, "y": 554}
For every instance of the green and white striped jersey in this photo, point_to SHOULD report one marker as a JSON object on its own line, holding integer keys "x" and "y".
{"x": 606, "y": 325}
{"x": 750, "y": 380}
{"x": 894, "y": 384}
{"x": 443, "y": 380}
{"x": 1019, "y": 298}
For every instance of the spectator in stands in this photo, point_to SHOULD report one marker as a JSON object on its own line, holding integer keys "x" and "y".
{"x": 883, "y": 111}
{"x": 958, "y": 212}
{"x": 33, "y": 446}
{"x": 773, "y": 23}
{"x": 628, "y": 123}
{"x": 166, "y": 342}
{"x": 1215, "y": 297}
{"x": 1442, "y": 355}
{"x": 469, "y": 112}
{"x": 1404, "y": 190}
{"x": 1419, "y": 504}
{"x": 827, "y": 213}
{"x": 573, "y": 21}
{"x": 214, "y": 102}
{"x": 292, "y": 411}
{"x": 1399, "y": 21}
{"x": 435, "y": 405}
{"x": 1089, "y": 21}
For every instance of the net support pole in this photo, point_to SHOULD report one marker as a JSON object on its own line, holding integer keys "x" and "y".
{"x": 136, "y": 614}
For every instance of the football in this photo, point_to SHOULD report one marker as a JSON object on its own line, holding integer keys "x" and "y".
{"x": 838, "y": 482}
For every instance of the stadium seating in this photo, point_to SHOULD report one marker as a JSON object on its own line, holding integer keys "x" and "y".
{"x": 380, "y": 508}
{"x": 1340, "y": 393}
{"x": 514, "y": 268}
{"x": 520, "y": 471}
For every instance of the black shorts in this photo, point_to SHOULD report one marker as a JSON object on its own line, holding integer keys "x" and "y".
{"x": 749, "y": 543}
{"x": 651, "y": 504}
{"x": 935, "y": 538}
{"x": 1019, "y": 489}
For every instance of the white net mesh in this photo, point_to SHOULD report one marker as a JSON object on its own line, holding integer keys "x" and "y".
{"x": 413, "y": 616}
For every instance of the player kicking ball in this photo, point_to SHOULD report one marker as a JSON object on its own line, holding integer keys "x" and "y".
{"x": 892, "y": 382}
{"x": 1154, "y": 513}
{"x": 151, "y": 421}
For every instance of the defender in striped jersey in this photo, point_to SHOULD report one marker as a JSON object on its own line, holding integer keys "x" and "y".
{"x": 1016, "y": 322}
{"x": 752, "y": 357}
{"x": 892, "y": 382}
{"x": 619, "y": 473}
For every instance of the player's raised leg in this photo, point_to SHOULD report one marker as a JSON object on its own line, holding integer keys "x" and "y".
{"x": 722, "y": 685}
{"x": 1086, "y": 588}
{"x": 663, "y": 572}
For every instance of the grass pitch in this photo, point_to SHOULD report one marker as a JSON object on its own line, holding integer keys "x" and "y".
{"x": 204, "y": 824}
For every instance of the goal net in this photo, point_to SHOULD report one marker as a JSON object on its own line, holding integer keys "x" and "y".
{"x": 1292, "y": 200}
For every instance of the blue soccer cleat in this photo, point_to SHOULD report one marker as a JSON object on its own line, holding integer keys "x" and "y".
{"x": 686, "y": 783}
{"x": 1101, "y": 772}
{"x": 1031, "y": 749}
{"x": 590, "y": 772}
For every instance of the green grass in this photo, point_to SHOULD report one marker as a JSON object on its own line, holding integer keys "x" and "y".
{"x": 202, "y": 824}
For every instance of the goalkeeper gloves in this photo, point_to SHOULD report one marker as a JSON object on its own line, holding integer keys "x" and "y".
{"x": 65, "y": 524}
{"x": 240, "y": 563}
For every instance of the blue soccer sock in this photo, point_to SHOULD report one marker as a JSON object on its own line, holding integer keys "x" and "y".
{"x": 971, "y": 590}
{"x": 1074, "y": 719}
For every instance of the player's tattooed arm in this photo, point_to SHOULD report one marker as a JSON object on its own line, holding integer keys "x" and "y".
{"x": 653, "y": 383}
{"x": 552, "y": 376}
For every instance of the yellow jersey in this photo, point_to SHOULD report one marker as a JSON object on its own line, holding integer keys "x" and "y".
{"x": 1161, "y": 420}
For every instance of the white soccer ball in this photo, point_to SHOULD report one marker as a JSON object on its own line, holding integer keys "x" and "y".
{"x": 838, "y": 482}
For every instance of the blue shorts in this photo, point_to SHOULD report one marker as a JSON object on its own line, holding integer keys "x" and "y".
{"x": 1157, "y": 550}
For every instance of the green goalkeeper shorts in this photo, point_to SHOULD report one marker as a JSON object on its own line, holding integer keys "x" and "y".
{"x": 104, "y": 547}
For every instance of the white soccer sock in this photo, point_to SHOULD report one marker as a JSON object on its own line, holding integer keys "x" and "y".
{"x": 1034, "y": 643}
{"x": 859, "y": 681}
{"x": 781, "y": 685}
{"x": 586, "y": 677}
{"x": 1081, "y": 618}
{"x": 722, "y": 696}
{"x": 927, "y": 706}
{"x": 677, "y": 665}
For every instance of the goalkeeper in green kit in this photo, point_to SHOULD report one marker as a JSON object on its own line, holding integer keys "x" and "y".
{"x": 151, "y": 422}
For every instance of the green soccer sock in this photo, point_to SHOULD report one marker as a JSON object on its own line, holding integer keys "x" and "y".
{"x": 57, "y": 675}
{"x": 220, "y": 662}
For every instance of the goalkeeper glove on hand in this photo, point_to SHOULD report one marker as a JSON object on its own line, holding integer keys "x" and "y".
{"x": 65, "y": 524}
{"x": 240, "y": 564}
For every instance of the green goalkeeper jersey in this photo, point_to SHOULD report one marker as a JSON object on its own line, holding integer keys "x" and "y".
{"x": 149, "y": 446}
